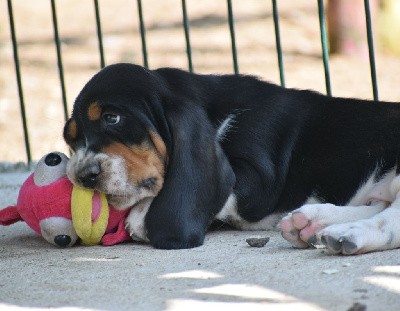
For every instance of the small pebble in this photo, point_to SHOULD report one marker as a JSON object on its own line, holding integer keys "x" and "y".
{"x": 257, "y": 242}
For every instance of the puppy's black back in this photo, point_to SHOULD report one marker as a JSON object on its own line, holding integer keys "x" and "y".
{"x": 286, "y": 145}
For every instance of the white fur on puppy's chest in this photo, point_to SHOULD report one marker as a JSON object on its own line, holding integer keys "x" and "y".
{"x": 230, "y": 215}
{"x": 135, "y": 222}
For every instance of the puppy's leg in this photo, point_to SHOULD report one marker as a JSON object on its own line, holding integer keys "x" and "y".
{"x": 380, "y": 232}
{"x": 300, "y": 226}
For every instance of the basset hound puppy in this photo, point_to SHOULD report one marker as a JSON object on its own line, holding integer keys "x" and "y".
{"x": 182, "y": 149}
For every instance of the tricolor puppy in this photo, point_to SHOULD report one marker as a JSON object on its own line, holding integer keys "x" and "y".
{"x": 184, "y": 149}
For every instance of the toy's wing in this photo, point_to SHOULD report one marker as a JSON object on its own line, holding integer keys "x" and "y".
{"x": 119, "y": 236}
{"x": 9, "y": 215}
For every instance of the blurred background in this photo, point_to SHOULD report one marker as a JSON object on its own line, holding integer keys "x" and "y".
{"x": 211, "y": 52}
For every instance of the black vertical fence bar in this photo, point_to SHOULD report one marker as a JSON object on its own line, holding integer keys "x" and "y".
{"x": 278, "y": 42}
{"x": 233, "y": 41}
{"x": 59, "y": 58}
{"x": 187, "y": 37}
{"x": 142, "y": 33}
{"x": 322, "y": 26}
{"x": 19, "y": 82}
{"x": 99, "y": 33}
{"x": 371, "y": 49}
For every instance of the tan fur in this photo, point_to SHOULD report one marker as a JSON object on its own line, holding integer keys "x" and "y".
{"x": 72, "y": 130}
{"x": 141, "y": 161}
{"x": 159, "y": 144}
{"x": 94, "y": 111}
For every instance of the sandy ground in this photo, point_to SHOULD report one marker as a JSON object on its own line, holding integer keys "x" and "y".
{"x": 211, "y": 47}
{"x": 223, "y": 274}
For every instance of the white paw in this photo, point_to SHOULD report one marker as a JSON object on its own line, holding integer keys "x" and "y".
{"x": 135, "y": 224}
{"x": 356, "y": 237}
{"x": 300, "y": 227}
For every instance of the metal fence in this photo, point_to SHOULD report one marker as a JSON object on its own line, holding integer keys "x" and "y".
{"x": 191, "y": 67}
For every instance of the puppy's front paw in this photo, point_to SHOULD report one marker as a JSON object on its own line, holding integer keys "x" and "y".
{"x": 135, "y": 224}
{"x": 301, "y": 226}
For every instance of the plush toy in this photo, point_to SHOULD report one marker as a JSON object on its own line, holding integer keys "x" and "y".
{"x": 62, "y": 212}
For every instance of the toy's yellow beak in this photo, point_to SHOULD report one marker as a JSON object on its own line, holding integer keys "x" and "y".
{"x": 90, "y": 212}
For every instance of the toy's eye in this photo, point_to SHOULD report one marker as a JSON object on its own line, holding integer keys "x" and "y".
{"x": 111, "y": 118}
{"x": 50, "y": 168}
{"x": 52, "y": 159}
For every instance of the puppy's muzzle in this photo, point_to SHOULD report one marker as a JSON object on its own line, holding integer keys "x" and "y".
{"x": 88, "y": 175}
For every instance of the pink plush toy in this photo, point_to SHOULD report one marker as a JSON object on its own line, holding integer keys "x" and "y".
{"x": 44, "y": 203}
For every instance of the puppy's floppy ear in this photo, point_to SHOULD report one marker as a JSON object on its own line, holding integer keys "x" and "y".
{"x": 197, "y": 182}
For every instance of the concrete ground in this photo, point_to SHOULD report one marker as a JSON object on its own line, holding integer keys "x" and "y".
{"x": 224, "y": 274}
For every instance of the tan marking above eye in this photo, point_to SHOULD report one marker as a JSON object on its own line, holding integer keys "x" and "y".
{"x": 141, "y": 162}
{"x": 94, "y": 111}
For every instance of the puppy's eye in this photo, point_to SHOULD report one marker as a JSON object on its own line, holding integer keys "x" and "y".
{"x": 111, "y": 118}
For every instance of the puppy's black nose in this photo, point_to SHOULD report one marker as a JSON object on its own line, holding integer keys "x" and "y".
{"x": 62, "y": 240}
{"x": 87, "y": 177}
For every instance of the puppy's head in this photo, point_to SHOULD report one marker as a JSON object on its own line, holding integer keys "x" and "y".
{"x": 144, "y": 136}
{"x": 117, "y": 146}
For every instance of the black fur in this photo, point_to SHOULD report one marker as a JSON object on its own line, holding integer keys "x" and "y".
{"x": 284, "y": 145}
